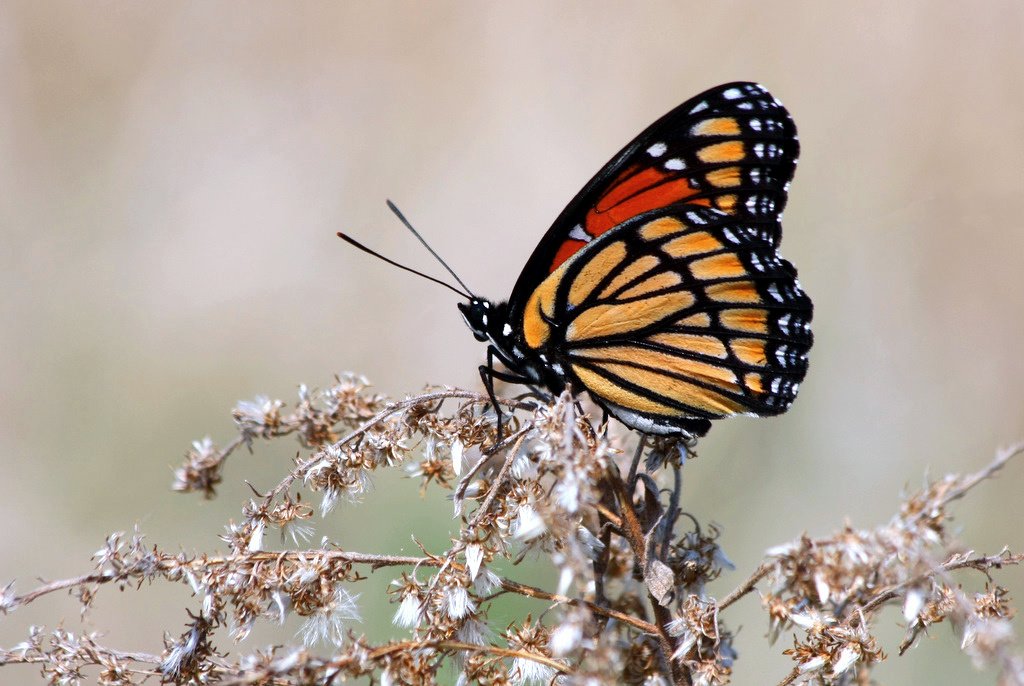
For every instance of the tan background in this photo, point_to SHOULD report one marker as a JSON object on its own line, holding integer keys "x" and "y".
{"x": 172, "y": 176}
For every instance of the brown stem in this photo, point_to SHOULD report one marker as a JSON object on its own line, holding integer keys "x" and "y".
{"x": 496, "y": 486}
{"x": 168, "y": 563}
{"x": 375, "y": 561}
{"x": 631, "y": 528}
{"x": 634, "y": 534}
{"x": 791, "y": 677}
{"x": 60, "y": 585}
{"x": 18, "y": 657}
{"x": 747, "y": 586}
{"x": 1002, "y": 457}
{"x": 465, "y": 481}
{"x": 966, "y": 484}
{"x": 391, "y": 409}
{"x": 981, "y": 563}
{"x": 533, "y": 592}
{"x": 473, "y": 647}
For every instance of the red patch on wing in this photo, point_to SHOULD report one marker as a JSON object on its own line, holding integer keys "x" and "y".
{"x": 637, "y": 189}
{"x": 636, "y": 192}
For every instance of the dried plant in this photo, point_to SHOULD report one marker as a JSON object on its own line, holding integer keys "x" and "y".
{"x": 630, "y": 605}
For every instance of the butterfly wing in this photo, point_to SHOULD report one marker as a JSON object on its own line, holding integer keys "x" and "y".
{"x": 732, "y": 148}
{"x": 675, "y": 317}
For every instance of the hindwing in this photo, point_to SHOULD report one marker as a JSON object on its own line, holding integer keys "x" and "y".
{"x": 682, "y": 312}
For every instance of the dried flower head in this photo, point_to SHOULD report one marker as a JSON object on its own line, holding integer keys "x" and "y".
{"x": 630, "y": 568}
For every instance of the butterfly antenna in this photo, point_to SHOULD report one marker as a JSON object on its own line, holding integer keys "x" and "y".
{"x": 357, "y": 244}
{"x": 401, "y": 218}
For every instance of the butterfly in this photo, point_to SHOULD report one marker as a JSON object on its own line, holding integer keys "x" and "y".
{"x": 659, "y": 290}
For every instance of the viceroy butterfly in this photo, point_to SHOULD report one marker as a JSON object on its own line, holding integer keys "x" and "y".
{"x": 659, "y": 289}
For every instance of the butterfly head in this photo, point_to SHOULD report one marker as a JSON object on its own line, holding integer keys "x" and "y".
{"x": 484, "y": 318}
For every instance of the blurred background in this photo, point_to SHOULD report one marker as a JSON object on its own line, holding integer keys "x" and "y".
{"x": 172, "y": 176}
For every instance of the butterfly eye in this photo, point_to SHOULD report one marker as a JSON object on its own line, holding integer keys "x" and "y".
{"x": 475, "y": 316}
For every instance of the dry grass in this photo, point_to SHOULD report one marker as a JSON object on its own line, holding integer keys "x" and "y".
{"x": 630, "y": 606}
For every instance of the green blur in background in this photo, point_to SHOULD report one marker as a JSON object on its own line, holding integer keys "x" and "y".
{"x": 172, "y": 176}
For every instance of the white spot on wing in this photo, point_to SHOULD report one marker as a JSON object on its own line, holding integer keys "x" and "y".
{"x": 780, "y": 354}
{"x": 657, "y": 150}
{"x": 579, "y": 234}
{"x": 700, "y": 107}
{"x": 732, "y": 94}
{"x": 507, "y": 329}
{"x": 675, "y": 164}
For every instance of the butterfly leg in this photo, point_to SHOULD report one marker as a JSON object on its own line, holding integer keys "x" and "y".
{"x": 488, "y": 374}
{"x": 604, "y": 422}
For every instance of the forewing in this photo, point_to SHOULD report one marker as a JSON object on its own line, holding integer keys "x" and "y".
{"x": 682, "y": 312}
{"x": 732, "y": 148}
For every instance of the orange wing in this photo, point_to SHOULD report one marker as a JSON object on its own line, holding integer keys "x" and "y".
{"x": 674, "y": 316}
{"x": 732, "y": 148}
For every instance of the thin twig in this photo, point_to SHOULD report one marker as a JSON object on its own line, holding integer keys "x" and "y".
{"x": 981, "y": 563}
{"x": 635, "y": 464}
{"x": 791, "y": 677}
{"x": 388, "y": 411}
{"x": 17, "y": 657}
{"x": 533, "y": 592}
{"x": 60, "y": 585}
{"x": 747, "y": 586}
{"x": 631, "y": 527}
{"x": 966, "y": 484}
{"x": 1002, "y": 457}
{"x": 169, "y": 563}
{"x": 672, "y": 513}
{"x": 470, "y": 647}
{"x": 464, "y": 482}
{"x": 499, "y": 480}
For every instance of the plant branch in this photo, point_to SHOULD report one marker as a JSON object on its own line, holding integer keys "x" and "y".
{"x": 633, "y": 532}
{"x": 533, "y": 592}
{"x": 747, "y": 586}
{"x": 388, "y": 411}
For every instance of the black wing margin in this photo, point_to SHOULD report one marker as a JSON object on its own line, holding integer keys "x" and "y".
{"x": 732, "y": 148}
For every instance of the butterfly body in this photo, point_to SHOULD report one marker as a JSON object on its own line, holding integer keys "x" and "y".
{"x": 489, "y": 321}
{"x": 659, "y": 289}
